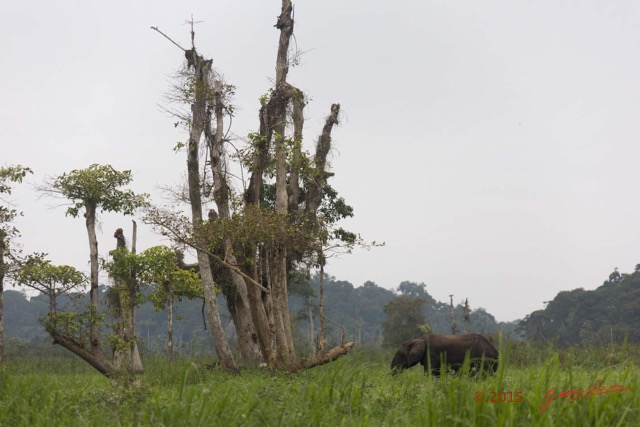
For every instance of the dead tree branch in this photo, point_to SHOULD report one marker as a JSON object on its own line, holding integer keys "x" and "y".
{"x": 168, "y": 38}
{"x": 325, "y": 358}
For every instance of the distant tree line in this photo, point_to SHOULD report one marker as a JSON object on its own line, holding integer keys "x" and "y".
{"x": 610, "y": 313}
{"x": 368, "y": 315}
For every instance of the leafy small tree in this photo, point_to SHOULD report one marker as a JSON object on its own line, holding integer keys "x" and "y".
{"x": 404, "y": 320}
{"x": 157, "y": 267}
{"x": 163, "y": 267}
{"x": 67, "y": 328}
{"x": 98, "y": 187}
{"x": 9, "y": 175}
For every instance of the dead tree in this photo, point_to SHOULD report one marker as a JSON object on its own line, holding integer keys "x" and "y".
{"x": 467, "y": 315}
{"x": 258, "y": 245}
{"x": 123, "y": 299}
{"x": 454, "y": 325}
{"x": 271, "y": 314}
{"x": 199, "y": 79}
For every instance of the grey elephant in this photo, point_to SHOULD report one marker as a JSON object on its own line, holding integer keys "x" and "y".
{"x": 432, "y": 350}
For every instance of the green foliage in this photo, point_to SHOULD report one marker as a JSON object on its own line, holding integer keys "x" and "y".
{"x": 117, "y": 343}
{"x": 8, "y": 175}
{"x": 304, "y": 234}
{"x": 38, "y": 273}
{"x": 55, "y": 280}
{"x": 344, "y": 236}
{"x": 299, "y": 282}
{"x": 98, "y": 186}
{"x": 12, "y": 174}
{"x": 264, "y": 98}
{"x": 404, "y": 319}
{"x": 425, "y": 329}
{"x": 122, "y": 265}
{"x": 412, "y": 289}
{"x": 228, "y": 92}
{"x": 257, "y": 225}
{"x": 333, "y": 207}
{"x": 156, "y": 267}
{"x": 179, "y": 146}
{"x": 70, "y": 323}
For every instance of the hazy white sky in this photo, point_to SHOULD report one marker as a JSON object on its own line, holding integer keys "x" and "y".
{"x": 493, "y": 145}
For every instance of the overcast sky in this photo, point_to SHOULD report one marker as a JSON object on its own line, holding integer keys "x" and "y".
{"x": 493, "y": 145}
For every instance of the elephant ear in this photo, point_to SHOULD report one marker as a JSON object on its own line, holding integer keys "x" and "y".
{"x": 416, "y": 351}
{"x": 409, "y": 354}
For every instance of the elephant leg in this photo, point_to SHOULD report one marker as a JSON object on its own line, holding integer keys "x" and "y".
{"x": 435, "y": 365}
{"x": 434, "y": 371}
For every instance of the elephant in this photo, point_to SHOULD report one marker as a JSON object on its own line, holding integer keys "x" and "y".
{"x": 434, "y": 349}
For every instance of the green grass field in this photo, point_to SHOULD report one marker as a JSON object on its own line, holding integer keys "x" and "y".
{"x": 356, "y": 390}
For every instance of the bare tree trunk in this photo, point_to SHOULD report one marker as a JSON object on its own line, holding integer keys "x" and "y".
{"x": 3, "y": 266}
{"x": 94, "y": 331}
{"x": 454, "y": 325}
{"x": 323, "y": 332}
{"x": 285, "y": 25}
{"x": 199, "y": 116}
{"x": 1, "y": 323}
{"x": 467, "y": 315}
{"x": 297, "y": 100}
{"x": 211, "y": 302}
{"x": 262, "y": 321}
{"x": 310, "y": 327}
{"x": 269, "y": 306}
{"x": 284, "y": 337}
{"x": 315, "y": 188}
{"x": 125, "y": 352}
{"x": 273, "y": 327}
{"x": 280, "y": 100}
{"x": 135, "y": 362}
{"x": 98, "y": 362}
{"x": 169, "y": 306}
{"x": 236, "y": 294}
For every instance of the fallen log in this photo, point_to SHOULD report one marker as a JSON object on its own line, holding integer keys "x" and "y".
{"x": 324, "y": 358}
